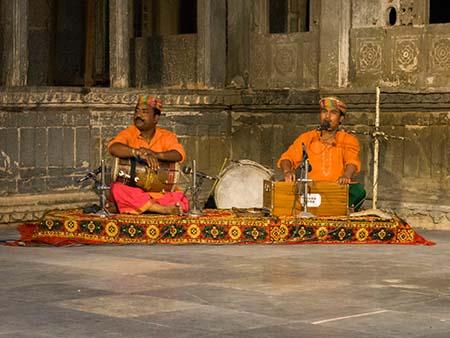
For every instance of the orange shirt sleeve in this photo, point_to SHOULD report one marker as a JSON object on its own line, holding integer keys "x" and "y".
{"x": 164, "y": 141}
{"x": 351, "y": 151}
{"x": 170, "y": 142}
{"x": 294, "y": 152}
{"x": 123, "y": 137}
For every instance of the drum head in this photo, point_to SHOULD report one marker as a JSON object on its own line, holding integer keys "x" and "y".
{"x": 241, "y": 185}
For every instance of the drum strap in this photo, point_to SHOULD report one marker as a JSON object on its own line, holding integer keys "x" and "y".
{"x": 133, "y": 161}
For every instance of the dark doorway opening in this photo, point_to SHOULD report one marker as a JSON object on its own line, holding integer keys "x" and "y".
{"x": 188, "y": 17}
{"x": 439, "y": 11}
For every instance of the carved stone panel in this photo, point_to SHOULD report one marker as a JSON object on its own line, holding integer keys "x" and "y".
{"x": 440, "y": 53}
{"x": 406, "y": 54}
{"x": 284, "y": 60}
{"x": 369, "y": 55}
{"x": 401, "y": 56}
{"x": 310, "y": 65}
{"x": 408, "y": 13}
{"x": 259, "y": 64}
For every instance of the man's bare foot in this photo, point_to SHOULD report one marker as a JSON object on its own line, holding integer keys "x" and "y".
{"x": 111, "y": 207}
{"x": 166, "y": 210}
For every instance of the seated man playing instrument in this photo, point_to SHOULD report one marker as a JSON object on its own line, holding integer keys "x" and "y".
{"x": 333, "y": 153}
{"x": 144, "y": 141}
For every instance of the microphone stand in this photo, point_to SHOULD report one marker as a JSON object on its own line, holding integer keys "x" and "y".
{"x": 195, "y": 211}
{"x": 304, "y": 179}
{"x": 102, "y": 188}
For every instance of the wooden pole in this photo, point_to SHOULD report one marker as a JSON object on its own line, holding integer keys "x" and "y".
{"x": 376, "y": 150}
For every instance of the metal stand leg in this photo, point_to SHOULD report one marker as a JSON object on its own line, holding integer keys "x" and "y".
{"x": 195, "y": 211}
{"x": 305, "y": 213}
{"x": 102, "y": 188}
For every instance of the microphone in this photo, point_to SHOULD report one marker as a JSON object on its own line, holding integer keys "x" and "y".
{"x": 90, "y": 174}
{"x": 305, "y": 154}
{"x": 188, "y": 170}
{"x": 324, "y": 125}
{"x": 305, "y": 157}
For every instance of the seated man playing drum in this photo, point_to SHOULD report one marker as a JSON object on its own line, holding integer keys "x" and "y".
{"x": 143, "y": 140}
{"x": 333, "y": 153}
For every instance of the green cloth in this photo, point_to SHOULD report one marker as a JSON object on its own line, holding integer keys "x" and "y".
{"x": 356, "y": 196}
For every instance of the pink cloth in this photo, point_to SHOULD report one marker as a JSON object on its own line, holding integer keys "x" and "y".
{"x": 172, "y": 198}
{"x": 134, "y": 200}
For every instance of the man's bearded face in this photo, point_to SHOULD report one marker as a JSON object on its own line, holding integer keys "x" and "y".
{"x": 330, "y": 118}
{"x": 145, "y": 118}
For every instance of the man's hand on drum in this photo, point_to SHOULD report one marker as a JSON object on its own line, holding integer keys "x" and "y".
{"x": 150, "y": 157}
{"x": 289, "y": 176}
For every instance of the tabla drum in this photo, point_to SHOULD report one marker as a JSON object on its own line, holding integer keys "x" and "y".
{"x": 162, "y": 180}
{"x": 240, "y": 185}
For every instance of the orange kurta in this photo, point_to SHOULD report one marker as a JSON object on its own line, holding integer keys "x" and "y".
{"x": 162, "y": 140}
{"x": 328, "y": 161}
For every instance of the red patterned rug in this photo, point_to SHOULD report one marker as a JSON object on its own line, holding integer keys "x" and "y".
{"x": 214, "y": 227}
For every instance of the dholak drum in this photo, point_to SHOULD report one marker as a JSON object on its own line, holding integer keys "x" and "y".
{"x": 163, "y": 180}
{"x": 240, "y": 185}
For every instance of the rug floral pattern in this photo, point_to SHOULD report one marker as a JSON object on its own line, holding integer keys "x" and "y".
{"x": 218, "y": 227}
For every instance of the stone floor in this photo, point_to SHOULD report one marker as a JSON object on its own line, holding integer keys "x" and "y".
{"x": 226, "y": 291}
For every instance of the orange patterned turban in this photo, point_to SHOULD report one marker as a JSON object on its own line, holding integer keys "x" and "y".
{"x": 331, "y": 102}
{"x": 149, "y": 102}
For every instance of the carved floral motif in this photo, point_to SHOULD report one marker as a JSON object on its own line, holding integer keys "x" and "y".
{"x": 440, "y": 54}
{"x": 284, "y": 60}
{"x": 369, "y": 59}
{"x": 406, "y": 55}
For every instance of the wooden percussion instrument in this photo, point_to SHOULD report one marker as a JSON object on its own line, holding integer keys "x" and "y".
{"x": 162, "y": 180}
{"x": 324, "y": 198}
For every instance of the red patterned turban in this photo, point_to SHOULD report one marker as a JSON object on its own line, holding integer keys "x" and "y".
{"x": 149, "y": 102}
{"x": 331, "y": 102}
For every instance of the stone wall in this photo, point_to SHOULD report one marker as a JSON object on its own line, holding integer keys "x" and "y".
{"x": 49, "y": 138}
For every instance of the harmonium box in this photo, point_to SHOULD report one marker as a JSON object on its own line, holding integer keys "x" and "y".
{"x": 324, "y": 198}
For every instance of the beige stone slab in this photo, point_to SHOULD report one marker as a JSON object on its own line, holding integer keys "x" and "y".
{"x": 279, "y": 285}
{"x": 110, "y": 264}
{"x": 128, "y": 284}
{"x": 126, "y": 306}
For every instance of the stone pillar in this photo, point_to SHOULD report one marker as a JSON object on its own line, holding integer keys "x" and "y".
{"x": 211, "y": 43}
{"x": 335, "y": 24}
{"x": 14, "y": 22}
{"x": 119, "y": 43}
{"x": 238, "y": 54}
{"x": 260, "y": 17}
{"x": 141, "y": 61}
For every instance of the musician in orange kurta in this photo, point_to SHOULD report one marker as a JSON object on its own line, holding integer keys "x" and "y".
{"x": 332, "y": 153}
{"x": 146, "y": 141}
